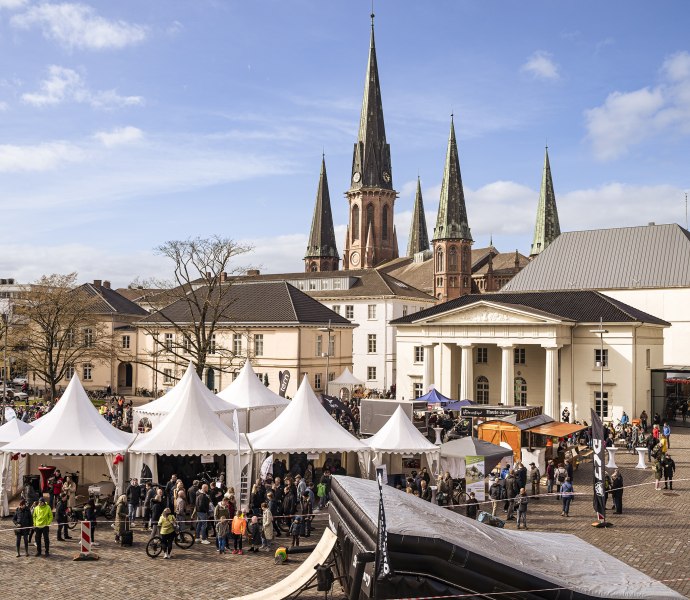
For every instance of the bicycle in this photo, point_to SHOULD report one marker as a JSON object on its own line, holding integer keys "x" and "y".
{"x": 183, "y": 539}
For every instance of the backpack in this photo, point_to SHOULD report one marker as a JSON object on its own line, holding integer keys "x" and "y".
{"x": 321, "y": 490}
{"x": 561, "y": 475}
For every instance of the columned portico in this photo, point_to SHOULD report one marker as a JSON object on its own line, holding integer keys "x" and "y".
{"x": 552, "y": 404}
{"x": 428, "y": 378}
{"x": 466, "y": 375}
{"x": 507, "y": 375}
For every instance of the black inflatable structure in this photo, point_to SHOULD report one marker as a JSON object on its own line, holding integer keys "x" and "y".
{"x": 435, "y": 552}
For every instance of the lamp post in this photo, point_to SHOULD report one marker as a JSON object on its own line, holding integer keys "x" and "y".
{"x": 600, "y": 363}
{"x": 328, "y": 352}
{"x": 5, "y": 323}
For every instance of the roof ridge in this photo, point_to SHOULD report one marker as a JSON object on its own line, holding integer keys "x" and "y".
{"x": 292, "y": 300}
{"x": 101, "y": 296}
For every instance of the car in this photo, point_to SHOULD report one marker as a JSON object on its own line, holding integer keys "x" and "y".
{"x": 12, "y": 395}
{"x": 20, "y": 380}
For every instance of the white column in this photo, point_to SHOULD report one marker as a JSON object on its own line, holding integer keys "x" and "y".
{"x": 552, "y": 404}
{"x": 466, "y": 375}
{"x": 507, "y": 375}
{"x": 428, "y": 367}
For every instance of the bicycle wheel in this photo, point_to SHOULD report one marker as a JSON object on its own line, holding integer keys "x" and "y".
{"x": 154, "y": 546}
{"x": 72, "y": 522}
{"x": 184, "y": 540}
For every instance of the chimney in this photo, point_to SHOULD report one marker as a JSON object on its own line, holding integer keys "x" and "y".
{"x": 106, "y": 284}
{"x": 97, "y": 282}
{"x": 223, "y": 277}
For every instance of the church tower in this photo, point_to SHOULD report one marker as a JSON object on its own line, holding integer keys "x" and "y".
{"x": 322, "y": 254}
{"x": 547, "y": 228}
{"x": 452, "y": 238}
{"x": 419, "y": 235}
{"x": 371, "y": 237}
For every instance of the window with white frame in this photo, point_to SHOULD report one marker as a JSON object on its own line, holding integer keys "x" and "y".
{"x": 237, "y": 343}
{"x": 331, "y": 345}
{"x": 417, "y": 390}
{"x": 87, "y": 372}
{"x": 317, "y": 381}
{"x": 336, "y": 308}
{"x": 520, "y": 398}
{"x": 88, "y": 337}
{"x": 371, "y": 311}
{"x": 482, "y": 356}
{"x": 212, "y": 344}
{"x": 69, "y": 372}
{"x": 404, "y": 310}
{"x": 371, "y": 343}
{"x": 482, "y": 390}
{"x": 186, "y": 345}
{"x": 601, "y": 356}
{"x": 601, "y": 408}
{"x": 349, "y": 311}
{"x": 519, "y": 354}
{"x": 168, "y": 341}
{"x": 371, "y": 373}
{"x": 259, "y": 344}
{"x": 69, "y": 338}
{"x": 419, "y": 354}
{"x": 319, "y": 346}
{"x": 167, "y": 375}
{"x": 125, "y": 342}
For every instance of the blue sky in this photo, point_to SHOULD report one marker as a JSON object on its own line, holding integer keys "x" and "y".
{"x": 126, "y": 124}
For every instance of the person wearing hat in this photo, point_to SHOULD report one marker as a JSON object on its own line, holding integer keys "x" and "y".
{"x": 535, "y": 479}
{"x": 42, "y": 518}
{"x": 22, "y": 526}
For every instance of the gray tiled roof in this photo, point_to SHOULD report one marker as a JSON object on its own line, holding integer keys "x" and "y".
{"x": 584, "y": 306}
{"x": 108, "y": 301}
{"x": 651, "y": 256}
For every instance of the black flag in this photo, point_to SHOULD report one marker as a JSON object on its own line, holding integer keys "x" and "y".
{"x": 598, "y": 445}
{"x": 383, "y": 568}
{"x": 284, "y": 377}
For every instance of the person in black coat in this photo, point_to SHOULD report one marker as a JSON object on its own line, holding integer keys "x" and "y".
{"x": 23, "y": 524}
{"x": 512, "y": 490}
{"x": 668, "y": 467}
{"x": 617, "y": 491}
{"x": 61, "y": 518}
{"x": 472, "y": 507}
{"x": 90, "y": 515}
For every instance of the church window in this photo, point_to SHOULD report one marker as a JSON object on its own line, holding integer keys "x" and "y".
{"x": 384, "y": 223}
{"x": 453, "y": 259}
{"x": 355, "y": 222}
{"x": 312, "y": 267}
{"x": 439, "y": 260}
{"x": 370, "y": 217}
{"x": 466, "y": 259}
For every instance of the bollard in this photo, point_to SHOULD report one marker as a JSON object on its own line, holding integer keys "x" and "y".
{"x": 85, "y": 543}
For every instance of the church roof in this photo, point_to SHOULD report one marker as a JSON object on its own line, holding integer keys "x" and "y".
{"x": 583, "y": 306}
{"x": 651, "y": 256}
{"x": 547, "y": 227}
{"x": 322, "y": 236}
{"x": 419, "y": 235}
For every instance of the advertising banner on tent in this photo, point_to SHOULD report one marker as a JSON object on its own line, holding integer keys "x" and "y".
{"x": 474, "y": 476}
{"x": 207, "y": 459}
{"x": 284, "y": 377}
{"x": 266, "y": 467}
{"x": 598, "y": 446}
{"x": 383, "y": 569}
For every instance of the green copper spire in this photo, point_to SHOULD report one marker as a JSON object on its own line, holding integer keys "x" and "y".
{"x": 322, "y": 236}
{"x": 371, "y": 160}
{"x": 451, "y": 222}
{"x": 419, "y": 235}
{"x": 547, "y": 228}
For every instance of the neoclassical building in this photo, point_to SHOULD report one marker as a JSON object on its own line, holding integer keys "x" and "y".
{"x": 536, "y": 349}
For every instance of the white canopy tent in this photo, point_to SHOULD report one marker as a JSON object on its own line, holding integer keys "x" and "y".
{"x": 191, "y": 429}
{"x": 399, "y": 436}
{"x": 306, "y": 427}
{"x": 345, "y": 380}
{"x": 155, "y": 411}
{"x": 75, "y": 428}
{"x": 11, "y": 478}
{"x": 260, "y": 406}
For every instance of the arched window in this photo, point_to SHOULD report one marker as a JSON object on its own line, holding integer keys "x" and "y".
{"x": 482, "y": 390}
{"x": 439, "y": 260}
{"x": 466, "y": 259}
{"x": 355, "y": 223}
{"x": 312, "y": 267}
{"x": 370, "y": 217}
{"x": 520, "y": 392}
{"x": 453, "y": 259}
{"x": 384, "y": 223}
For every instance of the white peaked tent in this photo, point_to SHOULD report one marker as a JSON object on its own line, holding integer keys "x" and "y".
{"x": 400, "y": 436}
{"x": 260, "y": 406}
{"x": 155, "y": 411}
{"x": 191, "y": 428}
{"x": 345, "y": 380}
{"x": 75, "y": 428}
{"x": 306, "y": 427}
{"x": 9, "y": 432}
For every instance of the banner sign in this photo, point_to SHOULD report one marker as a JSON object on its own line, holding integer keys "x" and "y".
{"x": 284, "y": 377}
{"x": 598, "y": 445}
{"x": 331, "y": 403}
{"x": 207, "y": 459}
{"x": 266, "y": 467}
{"x": 382, "y": 569}
{"x": 474, "y": 477}
{"x": 497, "y": 412}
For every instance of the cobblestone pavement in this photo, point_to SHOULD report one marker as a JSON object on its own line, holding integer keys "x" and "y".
{"x": 652, "y": 534}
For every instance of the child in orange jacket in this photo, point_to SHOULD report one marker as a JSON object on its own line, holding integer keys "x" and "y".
{"x": 239, "y": 528}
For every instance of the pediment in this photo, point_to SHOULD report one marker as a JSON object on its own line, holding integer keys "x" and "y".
{"x": 493, "y": 313}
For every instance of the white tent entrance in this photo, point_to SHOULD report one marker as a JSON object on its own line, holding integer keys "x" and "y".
{"x": 12, "y": 466}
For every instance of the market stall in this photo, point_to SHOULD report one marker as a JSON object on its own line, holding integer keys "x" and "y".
{"x": 343, "y": 385}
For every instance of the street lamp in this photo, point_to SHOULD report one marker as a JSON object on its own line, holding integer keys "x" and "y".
{"x": 600, "y": 363}
{"x": 5, "y": 323}
{"x": 328, "y": 351}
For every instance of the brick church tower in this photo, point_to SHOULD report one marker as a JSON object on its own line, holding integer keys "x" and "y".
{"x": 371, "y": 237}
{"x": 452, "y": 238}
{"x": 322, "y": 253}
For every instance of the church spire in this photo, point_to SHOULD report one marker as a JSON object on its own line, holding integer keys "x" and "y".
{"x": 547, "y": 227}
{"x": 371, "y": 160}
{"x": 322, "y": 253}
{"x": 419, "y": 235}
{"x": 451, "y": 222}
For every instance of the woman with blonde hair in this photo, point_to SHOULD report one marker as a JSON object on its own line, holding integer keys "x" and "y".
{"x": 181, "y": 505}
{"x": 121, "y": 512}
{"x": 167, "y": 525}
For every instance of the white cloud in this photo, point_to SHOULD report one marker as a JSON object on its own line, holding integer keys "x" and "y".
{"x": 66, "y": 85}
{"x": 119, "y": 136}
{"x": 541, "y": 66}
{"x": 12, "y": 4}
{"x": 174, "y": 28}
{"x": 3, "y": 106}
{"x": 629, "y": 118}
{"x": 41, "y": 157}
{"x": 79, "y": 26}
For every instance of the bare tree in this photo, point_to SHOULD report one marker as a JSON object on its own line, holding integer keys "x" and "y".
{"x": 194, "y": 303}
{"x": 57, "y": 326}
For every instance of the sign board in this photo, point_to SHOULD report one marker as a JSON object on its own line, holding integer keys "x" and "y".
{"x": 206, "y": 459}
{"x": 284, "y": 377}
{"x": 474, "y": 476}
{"x": 313, "y": 456}
{"x": 498, "y": 412}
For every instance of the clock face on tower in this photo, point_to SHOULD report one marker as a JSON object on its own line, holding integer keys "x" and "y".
{"x": 356, "y": 177}
{"x": 354, "y": 258}
{"x": 386, "y": 176}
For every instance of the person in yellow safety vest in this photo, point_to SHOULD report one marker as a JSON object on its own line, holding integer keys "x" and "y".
{"x": 43, "y": 517}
